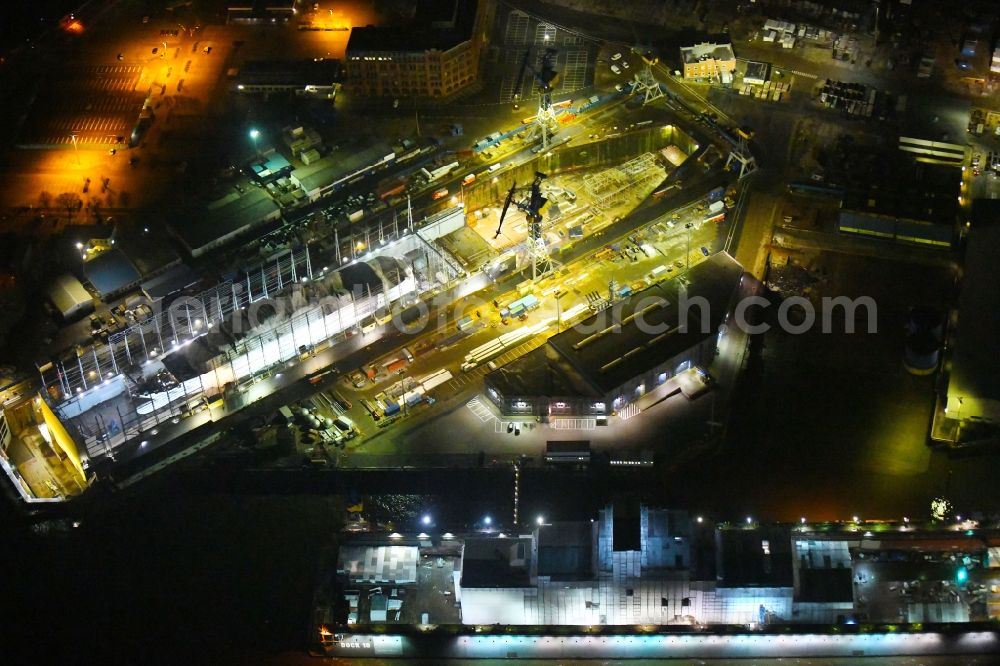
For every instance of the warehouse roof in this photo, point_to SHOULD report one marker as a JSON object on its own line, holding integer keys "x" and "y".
{"x": 975, "y": 364}
{"x": 69, "y": 296}
{"x": 653, "y": 325}
{"x": 338, "y": 167}
{"x": 171, "y": 281}
{"x": 758, "y": 557}
{"x": 223, "y": 219}
{"x": 496, "y": 562}
{"x": 567, "y": 551}
{"x": 897, "y": 185}
{"x": 111, "y": 272}
{"x": 542, "y": 371}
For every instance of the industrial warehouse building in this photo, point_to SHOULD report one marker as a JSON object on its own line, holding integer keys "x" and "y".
{"x": 436, "y": 57}
{"x": 222, "y": 220}
{"x": 973, "y": 394}
{"x": 315, "y": 78}
{"x": 621, "y": 354}
{"x": 641, "y": 565}
{"x": 911, "y": 196}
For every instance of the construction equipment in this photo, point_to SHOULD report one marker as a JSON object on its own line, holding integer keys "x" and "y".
{"x": 545, "y": 77}
{"x": 645, "y": 84}
{"x": 531, "y": 205}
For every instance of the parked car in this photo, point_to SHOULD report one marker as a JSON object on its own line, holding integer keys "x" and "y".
{"x": 615, "y": 69}
{"x": 617, "y": 56}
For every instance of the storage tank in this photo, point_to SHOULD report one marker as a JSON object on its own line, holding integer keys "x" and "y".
{"x": 921, "y": 353}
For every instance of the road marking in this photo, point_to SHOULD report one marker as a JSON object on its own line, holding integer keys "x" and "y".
{"x": 805, "y": 74}
{"x": 573, "y": 424}
{"x": 481, "y": 411}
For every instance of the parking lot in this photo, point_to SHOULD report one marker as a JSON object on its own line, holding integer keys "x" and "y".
{"x": 98, "y": 104}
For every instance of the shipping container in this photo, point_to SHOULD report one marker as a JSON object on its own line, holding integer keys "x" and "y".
{"x": 397, "y": 366}
{"x": 392, "y": 190}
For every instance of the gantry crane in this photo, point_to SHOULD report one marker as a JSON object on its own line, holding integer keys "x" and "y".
{"x": 645, "y": 84}
{"x": 531, "y": 205}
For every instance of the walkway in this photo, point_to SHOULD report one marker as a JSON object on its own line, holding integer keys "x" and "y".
{"x": 658, "y": 646}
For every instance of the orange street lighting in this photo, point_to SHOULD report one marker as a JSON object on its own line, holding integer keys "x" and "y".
{"x": 70, "y": 24}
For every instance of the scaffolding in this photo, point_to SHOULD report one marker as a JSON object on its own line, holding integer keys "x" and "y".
{"x": 609, "y": 187}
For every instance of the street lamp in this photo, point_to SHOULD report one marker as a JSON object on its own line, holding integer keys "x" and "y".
{"x": 254, "y": 134}
{"x": 958, "y": 420}
{"x": 687, "y": 256}
{"x": 559, "y": 311}
{"x": 540, "y": 520}
{"x": 426, "y": 520}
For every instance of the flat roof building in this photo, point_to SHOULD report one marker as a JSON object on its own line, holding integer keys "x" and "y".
{"x": 708, "y": 60}
{"x": 974, "y": 379}
{"x": 270, "y": 167}
{"x": 375, "y": 563}
{"x": 755, "y": 556}
{"x": 436, "y": 56}
{"x": 769, "y": 574}
{"x": 616, "y": 356}
{"x": 111, "y": 273}
{"x": 267, "y": 12}
{"x": 332, "y": 172}
{"x": 494, "y": 562}
{"x": 757, "y": 73}
{"x": 312, "y": 78}
{"x": 223, "y": 220}
{"x": 910, "y": 195}
{"x": 567, "y": 551}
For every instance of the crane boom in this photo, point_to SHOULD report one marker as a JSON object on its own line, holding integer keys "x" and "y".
{"x": 503, "y": 213}
{"x": 520, "y": 76}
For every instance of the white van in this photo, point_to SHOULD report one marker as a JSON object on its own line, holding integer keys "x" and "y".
{"x": 494, "y": 168}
